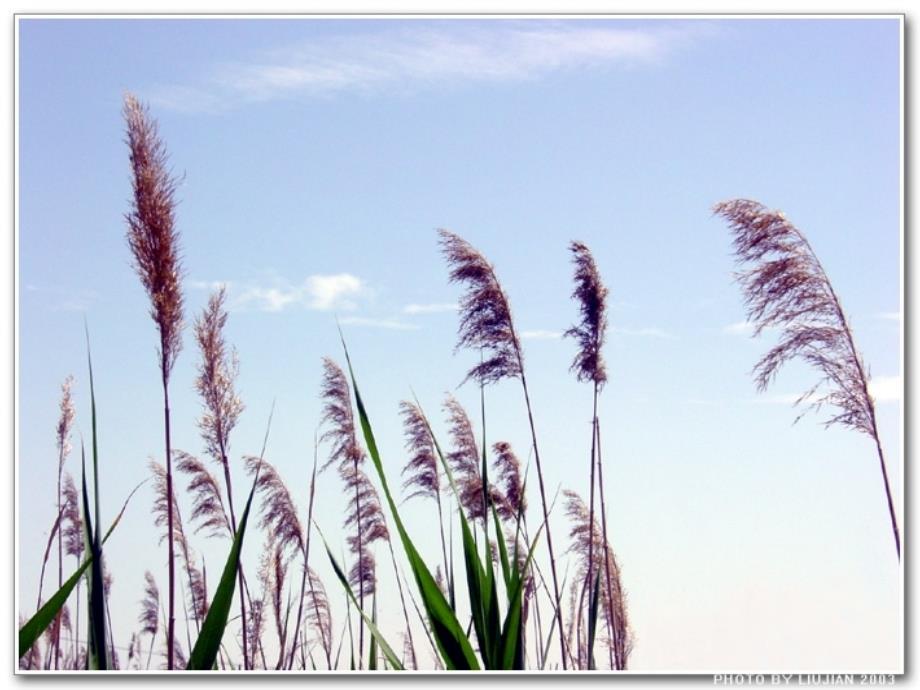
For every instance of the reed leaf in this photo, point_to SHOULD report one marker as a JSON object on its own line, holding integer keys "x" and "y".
{"x": 454, "y": 646}
{"x": 97, "y": 651}
{"x": 376, "y": 635}
{"x": 207, "y": 646}
{"x": 37, "y": 624}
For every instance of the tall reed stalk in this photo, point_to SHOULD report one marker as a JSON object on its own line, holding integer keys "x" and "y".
{"x": 64, "y": 425}
{"x": 154, "y": 243}
{"x": 486, "y": 326}
{"x": 216, "y": 385}
{"x": 786, "y": 287}
{"x": 590, "y": 333}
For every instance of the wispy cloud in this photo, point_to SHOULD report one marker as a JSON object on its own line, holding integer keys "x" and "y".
{"x": 541, "y": 335}
{"x": 425, "y": 54}
{"x": 889, "y": 315}
{"x": 340, "y": 291}
{"x": 388, "y": 324}
{"x": 63, "y": 299}
{"x": 436, "y": 308}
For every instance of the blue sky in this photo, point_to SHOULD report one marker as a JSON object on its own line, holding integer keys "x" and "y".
{"x": 317, "y": 159}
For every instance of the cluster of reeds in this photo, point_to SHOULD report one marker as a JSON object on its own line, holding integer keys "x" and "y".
{"x": 512, "y": 615}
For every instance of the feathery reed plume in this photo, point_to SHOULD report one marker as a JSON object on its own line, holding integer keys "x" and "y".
{"x": 463, "y": 458}
{"x": 178, "y": 656}
{"x": 590, "y": 333}
{"x": 486, "y": 325}
{"x": 133, "y": 649}
{"x": 365, "y": 514}
{"x": 72, "y": 519}
{"x": 207, "y": 504}
{"x": 319, "y": 615}
{"x": 150, "y": 612}
{"x": 338, "y": 420}
{"x": 64, "y": 425}
{"x": 512, "y": 500}
{"x": 785, "y": 286}
{"x": 278, "y": 567}
{"x": 586, "y": 537}
{"x": 217, "y": 372}
{"x": 154, "y": 243}
{"x": 279, "y": 514}
{"x": 485, "y": 314}
{"x": 150, "y": 606}
{"x": 163, "y": 517}
{"x": 422, "y": 468}
{"x": 198, "y": 592}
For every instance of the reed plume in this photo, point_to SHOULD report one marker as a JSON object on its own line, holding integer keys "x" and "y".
{"x": 72, "y": 528}
{"x": 172, "y": 519}
{"x": 207, "y": 505}
{"x": 424, "y": 478}
{"x": 154, "y": 243}
{"x": 319, "y": 615}
{"x": 278, "y": 513}
{"x": 218, "y": 369}
{"x": 64, "y": 425}
{"x": 150, "y": 611}
{"x": 339, "y": 423}
{"x": 511, "y": 500}
{"x": 486, "y": 325}
{"x": 464, "y": 460}
{"x": 587, "y": 538}
{"x": 485, "y": 314}
{"x": 198, "y": 592}
{"x": 590, "y": 333}
{"x": 786, "y": 287}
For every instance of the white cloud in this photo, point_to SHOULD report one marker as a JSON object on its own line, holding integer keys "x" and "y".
{"x": 886, "y": 388}
{"x": 317, "y": 292}
{"x": 739, "y": 328}
{"x": 429, "y": 308}
{"x": 541, "y": 335}
{"x": 883, "y": 389}
{"x": 209, "y": 285}
{"x": 889, "y": 315}
{"x": 424, "y": 54}
{"x": 332, "y": 292}
{"x": 388, "y": 324}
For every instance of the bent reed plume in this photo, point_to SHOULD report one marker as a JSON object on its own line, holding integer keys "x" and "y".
{"x": 786, "y": 287}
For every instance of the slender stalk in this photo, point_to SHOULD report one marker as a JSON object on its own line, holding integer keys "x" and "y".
{"x": 306, "y": 554}
{"x": 549, "y": 534}
{"x": 864, "y": 383}
{"x": 402, "y": 600}
{"x": 171, "y": 616}
{"x": 590, "y": 577}
{"x": 619, "y": 660}
{"x": 360, "y": 568}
